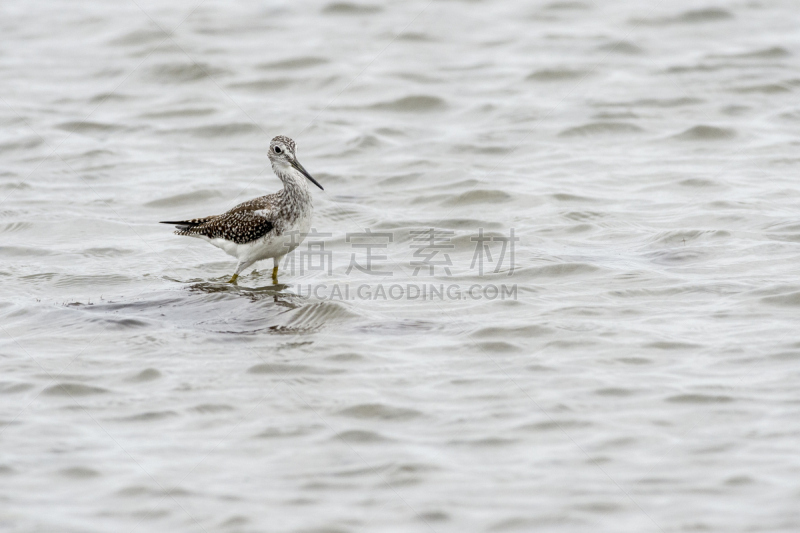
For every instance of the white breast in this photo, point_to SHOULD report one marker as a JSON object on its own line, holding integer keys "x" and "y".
{"x": 271, "y": 246}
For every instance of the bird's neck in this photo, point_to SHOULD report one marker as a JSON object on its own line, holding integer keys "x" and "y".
{"x": 295, "y": 186}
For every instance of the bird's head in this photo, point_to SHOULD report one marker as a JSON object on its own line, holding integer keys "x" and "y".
{"x": 282, "y": 156}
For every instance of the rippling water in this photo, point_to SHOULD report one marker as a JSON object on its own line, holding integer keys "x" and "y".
{"x": 643, "y": 378}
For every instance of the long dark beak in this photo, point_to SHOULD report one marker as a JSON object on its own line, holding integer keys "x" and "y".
{"x": 296, "y": 164}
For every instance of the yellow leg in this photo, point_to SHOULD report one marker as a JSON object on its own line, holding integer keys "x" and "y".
{"x": 275, "y": 274}
{"x": 234, "y": 278}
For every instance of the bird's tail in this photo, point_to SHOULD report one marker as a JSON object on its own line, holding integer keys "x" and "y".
{"x": 183, "y": 225}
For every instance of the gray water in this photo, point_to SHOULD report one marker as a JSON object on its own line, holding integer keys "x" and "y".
{"x": 639, "y": 375}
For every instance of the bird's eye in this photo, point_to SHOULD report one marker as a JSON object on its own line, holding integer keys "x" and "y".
{"x": 277, "y": 149}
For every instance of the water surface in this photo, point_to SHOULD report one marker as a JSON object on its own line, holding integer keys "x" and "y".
{"x": 643, "y": 378}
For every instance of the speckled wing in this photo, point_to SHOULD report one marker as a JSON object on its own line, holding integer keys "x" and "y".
{"x": 244, "y": 223}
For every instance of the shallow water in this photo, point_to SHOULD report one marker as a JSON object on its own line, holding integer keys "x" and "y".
{"x": 642, "y": 375}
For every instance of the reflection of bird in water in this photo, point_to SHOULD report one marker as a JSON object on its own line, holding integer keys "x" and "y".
{"x": 274, "y": 293}
{"x": 265, "y": 227}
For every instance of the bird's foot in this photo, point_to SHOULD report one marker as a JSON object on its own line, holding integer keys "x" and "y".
{"x": 275, "y": 275}
{"x": 233, "y": 279}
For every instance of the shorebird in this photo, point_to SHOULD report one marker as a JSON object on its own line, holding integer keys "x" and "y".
{"x": 265, "y": 227}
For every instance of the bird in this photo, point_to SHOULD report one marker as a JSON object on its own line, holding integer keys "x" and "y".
{"x": 266, "y": 227}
